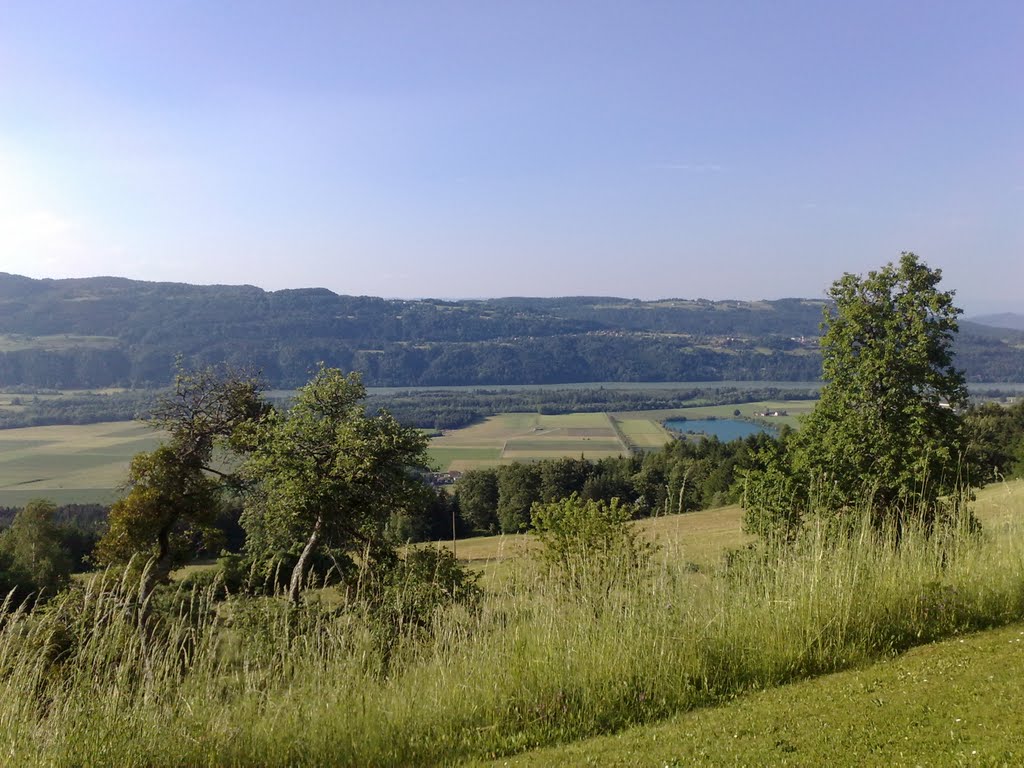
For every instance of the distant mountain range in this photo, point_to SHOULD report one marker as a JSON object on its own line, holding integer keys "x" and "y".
{"x": 1010, "y": 320}
{"x": 107, "y": 331}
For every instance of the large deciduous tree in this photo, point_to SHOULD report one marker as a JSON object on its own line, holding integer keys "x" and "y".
{"x": 327, "y": 475}
{"x": 886, "y": 434}
{"x": 175, "y": 491}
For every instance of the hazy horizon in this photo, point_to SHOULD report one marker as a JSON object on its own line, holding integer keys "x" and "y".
{"x": 976, "y": 309}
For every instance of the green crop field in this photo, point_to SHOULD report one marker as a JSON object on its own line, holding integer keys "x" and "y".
{"x": 11, "y": 342}
{"x": 643, "y": 433}
{"x": 89, "y": 463}
{"x": 69, "y": 463}
{"x": 462, "y": 457}
{"x": 511, "y": 437}
{"x": 562, "y": 445}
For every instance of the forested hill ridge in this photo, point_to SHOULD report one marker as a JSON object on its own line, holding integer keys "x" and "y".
{"x": 105, "y": 331}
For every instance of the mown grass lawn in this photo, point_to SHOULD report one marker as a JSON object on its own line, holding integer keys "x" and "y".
{"x": 957, "y": 702}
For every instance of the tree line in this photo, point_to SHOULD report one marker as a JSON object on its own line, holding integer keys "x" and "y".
{"x": 452, "y": 409}
{"x": 887, "y": 441}
{"x": 681, "y": 477}
{"x": 430, "y": 409}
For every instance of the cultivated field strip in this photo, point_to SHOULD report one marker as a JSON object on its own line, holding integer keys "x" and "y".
{"x": 69, "y": 463}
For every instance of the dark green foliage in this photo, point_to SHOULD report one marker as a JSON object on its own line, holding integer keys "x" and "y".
{"x": 682, "y": 477}
{"x": 519, "y": 487}
{"x": 79, "y": 527}
{"x": 325, "y": 474}
{"x": 430, "y": 521}
{"x": 33, "y": 559}
{"x": 406, "y": 592}
{"x": 887, "y": 420}
{"x": 37, "y": 411}
{"x": 477, "y": 494}
{"x": 175, "y": 492}
{"x": 886, "y": 435}
{"x": 240, "y": 575}
{"x": 996, "y": 441}
{"x": 774, "y": 499}
{"x": 560, "y": 478}
{"x": 611, "y": 478}
{"x": 168, "y": 513}
{"x": 403, "y": 598}
{"x": 587, "y": 545}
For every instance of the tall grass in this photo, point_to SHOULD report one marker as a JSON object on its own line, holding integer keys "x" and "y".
{"x": 86, "y": 681}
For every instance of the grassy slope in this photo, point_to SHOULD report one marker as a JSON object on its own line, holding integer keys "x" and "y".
{"x": 705, "y": 536}
{"x": 538, "y": 665}
{"x": 949, "y": 703}
{"x": 957, "y": 702}
{"x": 702, "y": 536}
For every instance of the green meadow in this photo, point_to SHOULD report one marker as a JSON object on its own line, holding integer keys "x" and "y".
{"x": 954, "y": 702}
{"x": 68, "y": 464}
{"x": 510, "y": 437}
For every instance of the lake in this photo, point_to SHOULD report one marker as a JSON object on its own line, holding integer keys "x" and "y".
{"x": 724, "y": 429}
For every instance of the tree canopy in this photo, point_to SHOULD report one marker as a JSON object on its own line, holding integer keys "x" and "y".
{"x": 32, "y": 557}
{"x": 325, "y": 473}
{"x": 886, "y": 434}
{"x": 175, "y": 491}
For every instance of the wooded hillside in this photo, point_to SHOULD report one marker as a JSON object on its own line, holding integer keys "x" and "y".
{"x": 105, "y": 331}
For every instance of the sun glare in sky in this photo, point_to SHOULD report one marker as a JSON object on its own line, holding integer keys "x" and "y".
{"x": 467, "y": 149}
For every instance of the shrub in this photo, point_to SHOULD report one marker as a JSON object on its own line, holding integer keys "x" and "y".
{"x": 588, "y": 546}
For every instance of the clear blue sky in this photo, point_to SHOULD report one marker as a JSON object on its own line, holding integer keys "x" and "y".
{"x": 463, "y": 149}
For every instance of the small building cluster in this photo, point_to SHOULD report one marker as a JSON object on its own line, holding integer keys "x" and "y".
{"x": 437, "y": 479}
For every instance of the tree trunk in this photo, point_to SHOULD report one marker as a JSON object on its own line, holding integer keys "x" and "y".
{"x": 159, "y": 569}
{"x": 299, "y": 571}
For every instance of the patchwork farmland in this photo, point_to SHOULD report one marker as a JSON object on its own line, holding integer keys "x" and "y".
{"x": 88, "y": 463}
{"x": 530, "y": 436}
{"x": 510, "y": 437}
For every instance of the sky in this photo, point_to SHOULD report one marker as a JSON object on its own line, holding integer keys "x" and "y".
{"x": 718, "y": 149}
